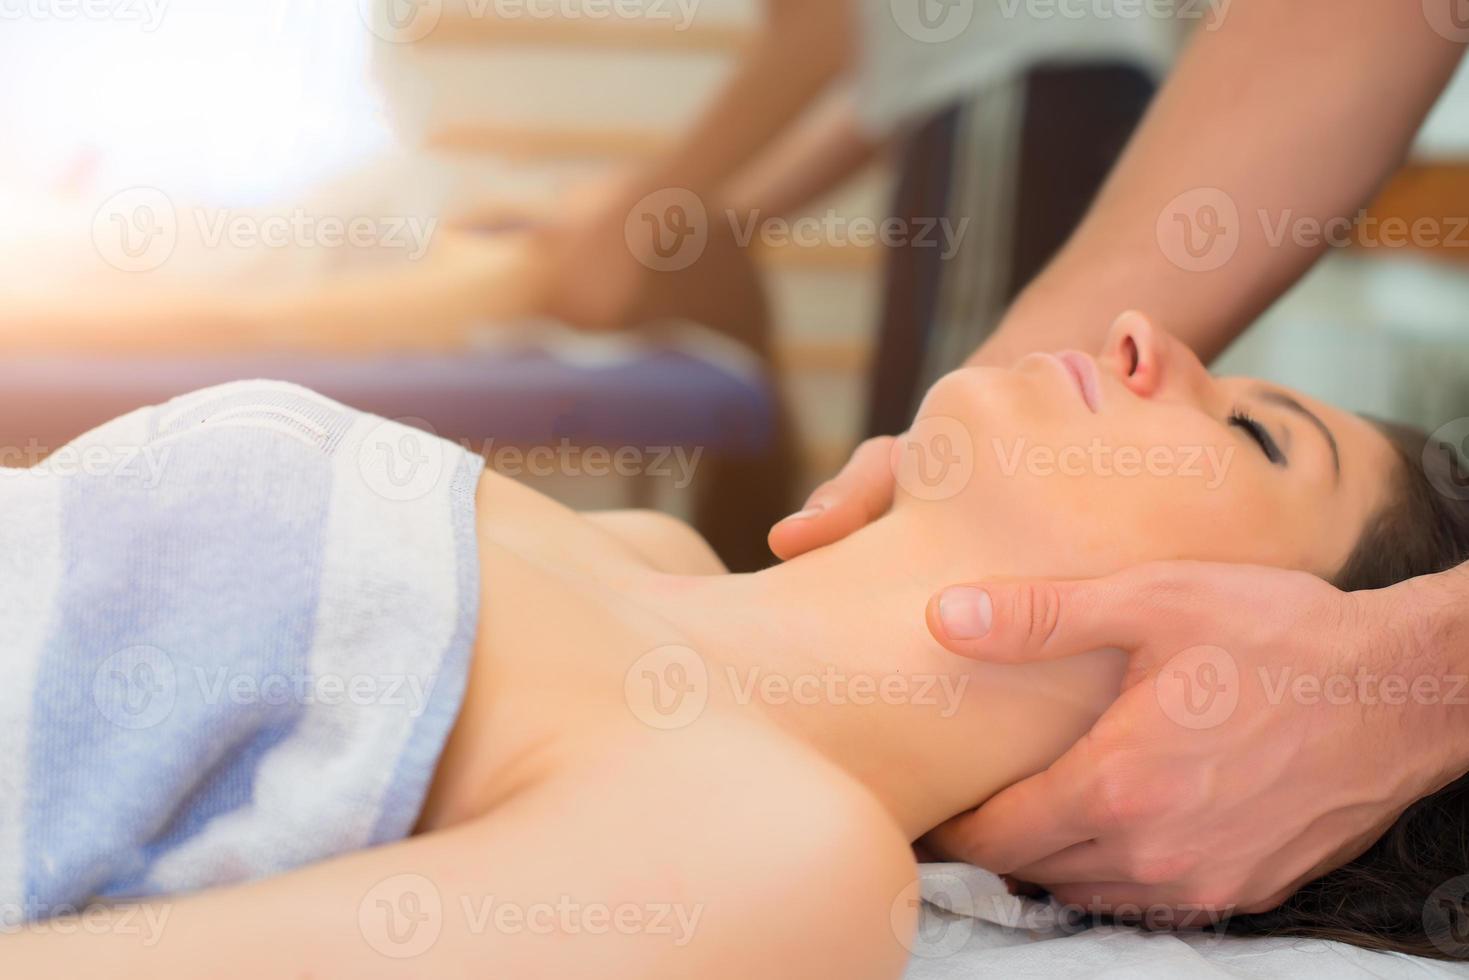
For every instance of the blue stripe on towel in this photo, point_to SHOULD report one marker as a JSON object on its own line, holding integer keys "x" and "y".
{"x": 141, "y": 564}
{"x": 171, "y": 746}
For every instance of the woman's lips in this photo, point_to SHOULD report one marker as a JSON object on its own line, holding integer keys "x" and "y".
{"x": 1083, "y": 371}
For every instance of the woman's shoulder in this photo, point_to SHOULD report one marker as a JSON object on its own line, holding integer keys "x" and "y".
{"x": 811, "y": 874}
{"x": 661, "y": 540}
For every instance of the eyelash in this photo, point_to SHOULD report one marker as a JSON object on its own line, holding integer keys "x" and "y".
{"x": 1242, "y": 419}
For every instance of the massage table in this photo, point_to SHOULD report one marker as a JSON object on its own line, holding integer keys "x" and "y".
{"x": 530, "y": 394}
{"x": 456, "y": 341}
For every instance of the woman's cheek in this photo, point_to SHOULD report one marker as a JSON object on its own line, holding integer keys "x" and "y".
{"x": 1147, "y": 517}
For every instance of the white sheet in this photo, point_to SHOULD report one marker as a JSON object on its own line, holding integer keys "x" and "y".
{"x": 961, "y": 935}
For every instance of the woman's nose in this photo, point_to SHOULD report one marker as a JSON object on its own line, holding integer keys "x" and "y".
{"x": 1149, "y": 360}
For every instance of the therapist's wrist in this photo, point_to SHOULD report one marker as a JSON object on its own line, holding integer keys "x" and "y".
{"x": 1419, "y": 630}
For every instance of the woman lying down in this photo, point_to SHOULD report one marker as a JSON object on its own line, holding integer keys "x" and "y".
{"x": 320, "y": 698}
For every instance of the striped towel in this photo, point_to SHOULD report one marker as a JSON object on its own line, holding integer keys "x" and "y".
{"x": 237, "y": 631}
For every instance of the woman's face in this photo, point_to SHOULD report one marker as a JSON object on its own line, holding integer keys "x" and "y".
{"x": 1138, "y": 454}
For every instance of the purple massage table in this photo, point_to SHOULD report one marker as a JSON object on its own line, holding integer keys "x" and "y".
{"x": 658, "y": 398}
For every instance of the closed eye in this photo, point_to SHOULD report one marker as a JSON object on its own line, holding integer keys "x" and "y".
{"x": 1241, "y": 419}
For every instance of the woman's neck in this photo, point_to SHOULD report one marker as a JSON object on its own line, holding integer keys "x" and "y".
{"x": 833, "y": 648}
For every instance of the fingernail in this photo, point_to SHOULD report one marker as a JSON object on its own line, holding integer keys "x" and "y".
{"x": 966, "y": 613}
{"x": 802, "y": 515}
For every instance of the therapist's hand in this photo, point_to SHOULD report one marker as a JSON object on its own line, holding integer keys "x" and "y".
{"x": 855, "y": 497}
{"x": 598, "y": 281}
{"x": 1260, "y": 739}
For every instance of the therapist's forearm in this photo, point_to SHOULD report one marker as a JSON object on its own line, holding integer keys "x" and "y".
{"x": 803, "y": 45}
{"x": 1296, "y": 111}
{"x": 818, "y": 155}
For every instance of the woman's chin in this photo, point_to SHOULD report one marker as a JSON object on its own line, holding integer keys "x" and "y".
{"x": 985, "y": 400}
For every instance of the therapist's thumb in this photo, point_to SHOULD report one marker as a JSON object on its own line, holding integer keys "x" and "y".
{"x": 1015, "y": 622}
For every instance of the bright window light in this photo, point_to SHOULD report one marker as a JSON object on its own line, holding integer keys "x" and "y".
{"x": 231, "y": 101}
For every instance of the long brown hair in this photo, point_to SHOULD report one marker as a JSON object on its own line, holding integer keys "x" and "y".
{"x": 1409, "y": 892}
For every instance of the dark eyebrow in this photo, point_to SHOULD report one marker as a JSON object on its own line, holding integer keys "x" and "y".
{"x": 1286, "y": 401}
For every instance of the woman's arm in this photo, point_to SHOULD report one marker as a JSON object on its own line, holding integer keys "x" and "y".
{"x": 393, "y": 304}
{"x": 801, "y": 47}
{"x": 713, "y": 852}
{"x": 806, "y": 163}
{"x": 602, "y": 260}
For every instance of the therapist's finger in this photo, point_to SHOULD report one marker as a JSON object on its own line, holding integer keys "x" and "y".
{"x": 1088, "y": 862}
{"x": 1031, "y": 820}
{"x": 1020, "y": 621}
{"x": 854, "y": 498}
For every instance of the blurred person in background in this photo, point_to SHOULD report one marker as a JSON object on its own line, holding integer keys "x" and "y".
{"x": 823, "y": 87}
